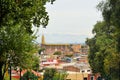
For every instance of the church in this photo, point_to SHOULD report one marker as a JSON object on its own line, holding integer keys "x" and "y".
{"x": 52, "y": 48}
{"x": 65, "y": 49}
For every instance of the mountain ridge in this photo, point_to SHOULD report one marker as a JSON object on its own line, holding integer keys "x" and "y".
{"x": 63, "y": 38}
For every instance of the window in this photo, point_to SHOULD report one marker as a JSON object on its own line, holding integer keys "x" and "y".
{"x": 68, "y": 79}
{"x": 92, "y": 78}
{"x": 88, "y": 70}
{"x": 83, "y": 71}
{"x": 85, "y": 78}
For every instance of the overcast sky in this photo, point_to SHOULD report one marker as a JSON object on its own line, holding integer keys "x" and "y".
{"x": 73, "y": 17}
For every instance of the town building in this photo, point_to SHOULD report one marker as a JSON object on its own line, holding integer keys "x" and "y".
{"x": 73, "y": 59}
{"x": 51, "y": 48}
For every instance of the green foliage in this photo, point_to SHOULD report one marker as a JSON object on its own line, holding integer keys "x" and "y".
{"x": 29, "y": 76}
{"x": 60, "y": 76}
{"x": 17, "y": 18}
{"x": 16, "y": 47}
{"x": 49, "y": 74}
{"x": 27, "y": 12}
{"x": 110, "y": 10}
{"x": 41, "y": 50}
{"x": 35, "y": 65}
{"x": 69, "y": 55}
{"x": 8, "y": 78}
{"x": 57, "y": 53}
{"x": 103, "y": 53}
{"x": 16, "y": 44}
{"x": 53, "y": 74}
{"x": 105, "y": 45}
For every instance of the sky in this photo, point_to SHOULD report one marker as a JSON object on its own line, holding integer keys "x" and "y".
{"x": 71, "y": 21}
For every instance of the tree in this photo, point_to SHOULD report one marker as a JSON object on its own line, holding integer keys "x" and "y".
{"x": 69, "y": 55}
{"x": 110, "y": 10}
{"x": 16, "y": 48}
{"x": 53, "y": 74}
{"x": 98, "y": 45}
{"x": 29, "y": 75}
{"x": 41, "y": 50}
{"x": 27, "y": 12}
{"x": 106, "y": 42}
{"x": 57, "y": 53}
{"x": 60, "y": 75}
{"x": 49, "y": 74}
{"x": 103, "y": 56}
{"x": 17, "y": 17}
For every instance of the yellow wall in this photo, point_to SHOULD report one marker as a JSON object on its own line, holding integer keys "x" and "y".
{"x": 77, "y": 76}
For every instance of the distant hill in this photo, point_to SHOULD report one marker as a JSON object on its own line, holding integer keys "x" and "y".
{"x": 63, "y": 38}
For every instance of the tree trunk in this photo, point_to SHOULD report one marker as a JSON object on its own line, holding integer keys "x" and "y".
{"x": 1, "y": 73}
{"x": 20, "y": 73}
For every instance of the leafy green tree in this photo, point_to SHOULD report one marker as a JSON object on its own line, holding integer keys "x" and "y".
{"x": 29, "y": 76}
{"x": 16, "y": 48}
{"x": 27, "y": 12}
{"x": 35, "y": 65}
{"x": 103, "y": 56}
{"x": 60, "y": 76}
{"x": 98, "y": 46}
{"x": 49, "y": 74}
{"x": 41, "y": 50}
{"x": 69, "y": 55}
{"x": 53, "y": 74}
{"x": 17, "y": 17}
{"x": 57, "y": 53}
{"x": 110, "y": 10}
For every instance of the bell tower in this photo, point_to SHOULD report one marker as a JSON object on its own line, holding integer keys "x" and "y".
{"x": 43, "y": 40}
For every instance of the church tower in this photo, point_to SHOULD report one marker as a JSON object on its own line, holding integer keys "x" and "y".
{"x": 43, "y": 40}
